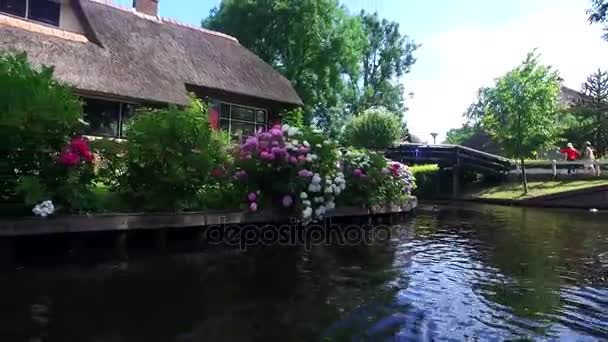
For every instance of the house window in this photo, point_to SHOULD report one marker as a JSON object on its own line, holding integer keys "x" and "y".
{"x": 45, "y": 11}
{"x": 107, "y": 118}
{"x": 242, "y": 121}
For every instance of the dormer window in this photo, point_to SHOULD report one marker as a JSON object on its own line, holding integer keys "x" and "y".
{"x": 45, "y": 11}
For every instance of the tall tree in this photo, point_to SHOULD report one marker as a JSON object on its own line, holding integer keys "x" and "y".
{"x": 521, "y": 110}
{"x": 598, "y": 13}
{"x": 314, "y": 43}
{"x": 386, "y": 56}
{"x": 589, "y": 116}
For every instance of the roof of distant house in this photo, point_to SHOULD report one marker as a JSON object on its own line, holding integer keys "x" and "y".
{"x": 133, "y": 55}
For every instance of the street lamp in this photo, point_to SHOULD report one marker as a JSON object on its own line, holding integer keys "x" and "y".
{"x": 434, "y": 135}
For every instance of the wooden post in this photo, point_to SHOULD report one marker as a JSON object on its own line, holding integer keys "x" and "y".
{"x": 554, "y": 166}
{"x": 456, "y": 177}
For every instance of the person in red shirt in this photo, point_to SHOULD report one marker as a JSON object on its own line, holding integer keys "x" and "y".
{"x": 571, "y": 155}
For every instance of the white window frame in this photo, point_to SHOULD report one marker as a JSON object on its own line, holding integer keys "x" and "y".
{"x": 27, "y": 15}
{"x": 121, "y": 107}
{"x": 230, "y": 119}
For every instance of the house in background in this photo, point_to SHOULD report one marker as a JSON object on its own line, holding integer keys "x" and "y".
{"x": 117, "y": 58}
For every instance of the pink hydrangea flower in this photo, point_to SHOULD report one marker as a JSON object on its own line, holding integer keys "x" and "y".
{"x": 69, "y": 158}
{"x": 252, "y": 197}
{"x": 253, "y": 206}
{"x": 358, "y": 173}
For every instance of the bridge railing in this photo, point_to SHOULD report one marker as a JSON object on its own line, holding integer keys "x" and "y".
{"x": 450, "y": 155}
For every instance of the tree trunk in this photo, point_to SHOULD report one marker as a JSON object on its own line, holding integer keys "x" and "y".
{"x": 523, "y": 176}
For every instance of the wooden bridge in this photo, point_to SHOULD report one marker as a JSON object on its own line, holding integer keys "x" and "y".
{"x": 453, "y": 157}
{"x": 449, "y": 156}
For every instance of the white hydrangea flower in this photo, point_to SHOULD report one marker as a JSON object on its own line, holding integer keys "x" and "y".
{"x": 329, "y": 190}
{"x": 306, "y": 143}
{"x": 303, "y": 195}
{"x": 316, "y": 178}
{"x": 44, "y": 209}
{"x": 307, "y": 203}
{"x": 292, "y": 131}
{"x": 314, "y": 187}
{"x": 330, "y": 205}
{"x": 306, "y": 213}
{"x": 318, "y": 145}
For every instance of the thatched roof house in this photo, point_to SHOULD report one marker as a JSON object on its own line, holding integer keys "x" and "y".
{"x": 119, "y": 57}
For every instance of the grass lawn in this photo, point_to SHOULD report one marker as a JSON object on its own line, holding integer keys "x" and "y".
{"x": 515, "y": 190}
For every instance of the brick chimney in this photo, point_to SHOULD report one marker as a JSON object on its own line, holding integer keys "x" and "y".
{"x": 149, "y": 7}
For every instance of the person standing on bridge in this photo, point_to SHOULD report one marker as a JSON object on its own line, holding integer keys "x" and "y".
{"x": 571, "y": 155}
{"x": 589, "y": 157}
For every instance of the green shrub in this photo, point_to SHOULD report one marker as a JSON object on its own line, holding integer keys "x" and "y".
{"x": 375, "y": 128}
{"x": 111, "y": 166}
{"x": 429, "y": 180}
{"x": 169, "y": 157}
{"x": 294, "y": 118}
{"x": 363, "y": 174}
{"x": 38, "y": 116}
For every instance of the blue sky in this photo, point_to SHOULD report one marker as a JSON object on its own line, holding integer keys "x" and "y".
{"x": 465, "y": 45}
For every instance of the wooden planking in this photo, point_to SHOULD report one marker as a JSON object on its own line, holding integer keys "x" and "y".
{"x": 142, "y": 221}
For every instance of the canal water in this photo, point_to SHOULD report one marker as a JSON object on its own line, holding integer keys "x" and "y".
{"x": 448, "y": 273}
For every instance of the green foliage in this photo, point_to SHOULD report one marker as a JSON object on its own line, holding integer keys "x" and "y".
{"x": 294, "y": 118}
{"x": 373, "y": 180}
{"x": 169, "y": 156}
{"x": 314, "y": 52}
{"x": 376, "y": 128}
{"x": 363, "y": 190}
{"x": 588, "y": 118}
{"x": 598, "y": 13}
{"x": 32, "y": 190}
{"x": 38, "y": 115}
{"x": 521, "y": 109}
{"x": 386, "y": 56}
{"x": 111, "y": 167}
{"x": 339, "y": 64}
{"x": 473, "y": 136}
{"x": 73, "y": 188}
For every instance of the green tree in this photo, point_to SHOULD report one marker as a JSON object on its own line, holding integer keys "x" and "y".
{"x": 521, "y": 110}
{"x": 598, "y": 13}
{"x": 588, "y": 119}
{"x": 387, "y": 55}
{"x": 313, "y": 43}
{"x": 375, "y": 128}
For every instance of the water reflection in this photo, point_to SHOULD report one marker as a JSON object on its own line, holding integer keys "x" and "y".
{"x": 455, "y": 273}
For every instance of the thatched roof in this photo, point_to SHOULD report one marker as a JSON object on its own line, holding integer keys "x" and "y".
{"x": 148, "y": 58}
{"x": 569, "y": 96}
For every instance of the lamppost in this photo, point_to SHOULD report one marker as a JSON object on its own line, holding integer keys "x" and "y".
{"x": 434, "y": 135}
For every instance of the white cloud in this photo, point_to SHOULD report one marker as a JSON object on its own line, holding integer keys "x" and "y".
{"x": 466, "y": 58}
